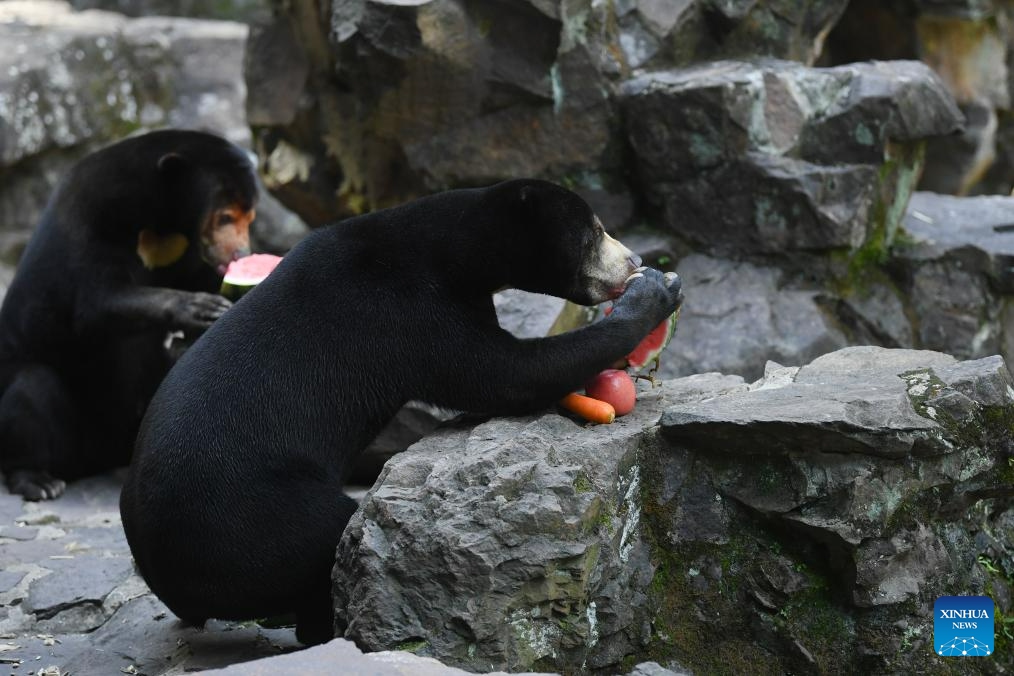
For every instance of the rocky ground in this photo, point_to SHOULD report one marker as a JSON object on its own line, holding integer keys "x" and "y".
{"x": 71, "y": 603}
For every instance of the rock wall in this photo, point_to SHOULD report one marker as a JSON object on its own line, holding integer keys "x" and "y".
{"x": 762, "y": 156}
{"x": 969, "y": 43}
{"x": 804, "y": 523}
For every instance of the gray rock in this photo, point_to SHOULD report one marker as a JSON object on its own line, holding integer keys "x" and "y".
{"x": 976, "y": 234}
{"x": 872, "y": 312}
{"x": 9, "y": 579}
{"x": 956, "y": 270}
{"x": 531, "y": 557}
{"x": 843, "y": 414}
{"x": 92, "y": 579}
{"x": 533, "y": 315}
{"x": 774, "y": 157}
{"x": 817, "y": 492}
{"x": 770, "y": 205}
{"x": 481, "y": 83}
{"x": 80, "y": 618}
{"x": 230, "y": 10}
{"x": 655, "y": 669}
{"x": 736, "y": 316}
{"x": 18, "y": 533}
{"x": 325, "y": 659}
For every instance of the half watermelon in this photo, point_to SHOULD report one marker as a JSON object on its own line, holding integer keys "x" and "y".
{"x": 245, "y": 273}
{"x": 648, "y": 350}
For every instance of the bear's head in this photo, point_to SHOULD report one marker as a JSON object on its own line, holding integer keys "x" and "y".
{"x": 573, "y": 257}
{"x": 203, "y": 194}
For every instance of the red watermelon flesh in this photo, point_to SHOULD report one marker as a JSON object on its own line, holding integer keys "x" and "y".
{"x": 647, "y": 351}
{"x": 251, "y": 269}
{"x": 245, "y": 273}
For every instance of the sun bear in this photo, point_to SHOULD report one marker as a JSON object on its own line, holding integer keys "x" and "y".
{"x": 233, "y": 506}
{"x": 131, "y": 246}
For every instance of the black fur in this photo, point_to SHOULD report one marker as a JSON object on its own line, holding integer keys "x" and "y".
{"x": 83, "y": 325}
{"x": 234, "y": 504}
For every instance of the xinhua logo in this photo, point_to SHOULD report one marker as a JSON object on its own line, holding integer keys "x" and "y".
{"x": 963, "y": 626}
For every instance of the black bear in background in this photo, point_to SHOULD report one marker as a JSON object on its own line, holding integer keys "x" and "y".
{"x": 233, "y": 505}
{"x": 131, "y": 246}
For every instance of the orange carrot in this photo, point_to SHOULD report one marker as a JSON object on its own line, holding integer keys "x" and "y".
{"x": 593, "y": 410}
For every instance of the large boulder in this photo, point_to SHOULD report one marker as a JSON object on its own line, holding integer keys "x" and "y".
{"x": 809, "y": 519}
{"x": 955, "y": 268}
{"x": 969, "y": 44}
{"x": 778, "y": 159}
{"x": 530, "y": 557}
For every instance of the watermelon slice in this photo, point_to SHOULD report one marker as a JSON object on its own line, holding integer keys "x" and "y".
{"x": 648, "y": 350}
{"x": 245, "y": 273}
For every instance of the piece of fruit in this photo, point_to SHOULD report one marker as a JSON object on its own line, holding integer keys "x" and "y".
{"x": 593, "y": 410}
{"x": 245, "y": 273}
{"x": 615, "y": 388}
{"x": 647, "y": 351}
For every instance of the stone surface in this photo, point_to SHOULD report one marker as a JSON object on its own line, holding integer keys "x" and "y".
{"x": 977, "y": 231}
{"x": 956, "y": 272}
{"x": 528, "y": 560}
{"x": 86, "y": 580}
{"x": 736, "y": 316}
{"x": 776, "y": 158}
{"x": 326, "y": 659}
{"x": 228, "y": 10}
{"x": 109, "y": 623}
{"x": 810, "y": 518}
{"x": 72, "y": 601}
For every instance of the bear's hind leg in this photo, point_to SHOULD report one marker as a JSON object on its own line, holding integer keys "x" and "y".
{"x": 315, "y": 621}
{"x": 37, "y": 439}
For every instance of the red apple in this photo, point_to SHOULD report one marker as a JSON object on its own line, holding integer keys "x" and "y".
{"x": 616, "y": 388}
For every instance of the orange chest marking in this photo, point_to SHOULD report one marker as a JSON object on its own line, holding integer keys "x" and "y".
{"x": 158, "y": 251}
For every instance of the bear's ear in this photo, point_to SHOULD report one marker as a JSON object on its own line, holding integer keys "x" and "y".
{"x": 171, "y": 163}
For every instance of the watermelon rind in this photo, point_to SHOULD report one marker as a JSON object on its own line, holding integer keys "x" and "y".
{"x": 246, "y": 273}
{"x": 648, "y": 350}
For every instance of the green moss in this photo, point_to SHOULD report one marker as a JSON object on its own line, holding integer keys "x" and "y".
{"x": 896, "y": 179}
{"x": 824, "y": 628}
{"x": 582, "y": 484}
{"x": 1003, "y": 628}
{"x": 412, "y": 646}
{"x": 605, "y": 520}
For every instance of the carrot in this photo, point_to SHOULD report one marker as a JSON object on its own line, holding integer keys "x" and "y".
{"x": 593, "y": 410}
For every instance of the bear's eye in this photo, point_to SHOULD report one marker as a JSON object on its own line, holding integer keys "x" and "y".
{"x": 225, "y": 218}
